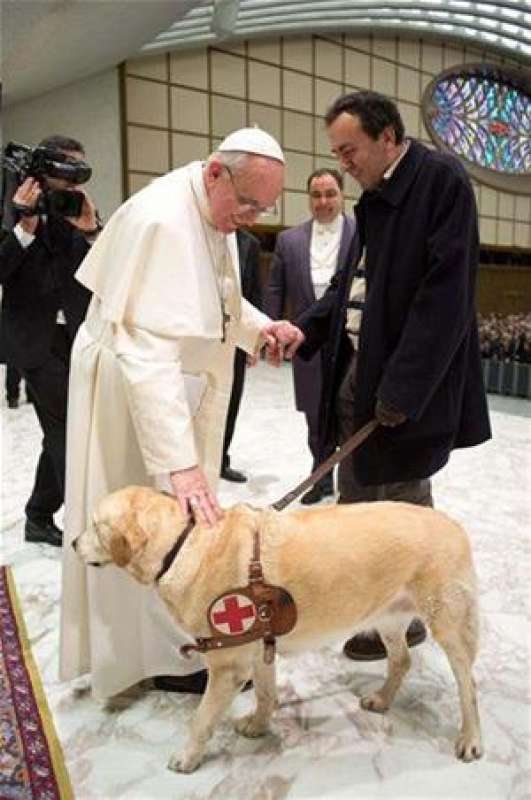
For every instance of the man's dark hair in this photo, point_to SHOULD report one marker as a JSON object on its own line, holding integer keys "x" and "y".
{"x": 62, "y": 143}
{"x": 318, "y": 173}
{"x": 375, "y": 111}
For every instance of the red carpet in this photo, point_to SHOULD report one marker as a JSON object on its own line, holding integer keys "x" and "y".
{"x": 31, "y": 759}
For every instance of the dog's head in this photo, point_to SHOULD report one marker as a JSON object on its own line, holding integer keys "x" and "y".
{"x": 132, "y": 528}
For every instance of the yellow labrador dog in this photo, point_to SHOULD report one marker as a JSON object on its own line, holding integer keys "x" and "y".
{"x": 348, "y": 568}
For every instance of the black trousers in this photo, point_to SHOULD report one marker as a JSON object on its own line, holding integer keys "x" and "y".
{"x": 13, "y": 379}
{"x": 48, "y": 384}
{"x": 319, "y": 453}
{"x": 240, "y": 361}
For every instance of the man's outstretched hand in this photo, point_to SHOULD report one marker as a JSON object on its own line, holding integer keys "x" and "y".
{"x": 281, "y": 340}
{"x": 388, "y": 416}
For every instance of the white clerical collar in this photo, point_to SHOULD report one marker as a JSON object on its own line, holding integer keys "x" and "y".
{"x": 328, "y": 227}
{"x": 198, "y": 185}
{"x": 391, "y": 168}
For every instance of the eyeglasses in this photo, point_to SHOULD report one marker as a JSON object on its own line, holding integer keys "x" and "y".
{"x": 247, "y": 205}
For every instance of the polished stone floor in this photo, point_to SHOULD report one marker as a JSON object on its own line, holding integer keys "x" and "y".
{"x": 322, "y": 744}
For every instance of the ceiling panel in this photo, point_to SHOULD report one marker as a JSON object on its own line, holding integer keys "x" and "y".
{"x": 503, "y": 26}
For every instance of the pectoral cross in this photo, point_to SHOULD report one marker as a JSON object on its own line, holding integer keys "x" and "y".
{"x": 225, "y": 322}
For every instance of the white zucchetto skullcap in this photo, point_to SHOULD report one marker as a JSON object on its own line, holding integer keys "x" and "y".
{"x": 252, "y": 140}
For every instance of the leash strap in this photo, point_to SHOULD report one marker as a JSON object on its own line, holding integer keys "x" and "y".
{"x": 348, "y": 447}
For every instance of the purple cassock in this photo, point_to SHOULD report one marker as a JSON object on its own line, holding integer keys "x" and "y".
{"x": 290, "y": 283}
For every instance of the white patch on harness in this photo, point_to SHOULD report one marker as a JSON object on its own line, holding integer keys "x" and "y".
{"x": 233, "y": 614}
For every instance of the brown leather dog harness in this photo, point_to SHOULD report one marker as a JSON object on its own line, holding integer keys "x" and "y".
{"x": 256, "y": 611}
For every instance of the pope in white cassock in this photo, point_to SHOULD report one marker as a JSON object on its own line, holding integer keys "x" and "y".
{"x": 150, "y": 382}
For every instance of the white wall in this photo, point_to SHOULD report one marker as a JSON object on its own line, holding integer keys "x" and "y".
{"x": 88, "y": 110}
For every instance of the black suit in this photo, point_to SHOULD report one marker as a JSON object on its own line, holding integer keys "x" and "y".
{"x": 38, "y": 281}
{"x": 249, "y": 258}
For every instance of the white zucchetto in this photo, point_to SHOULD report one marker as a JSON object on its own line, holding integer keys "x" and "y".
{"x": 254, "y": 141}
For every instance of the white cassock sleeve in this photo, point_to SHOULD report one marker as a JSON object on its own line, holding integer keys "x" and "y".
{"x": 158, "y": 402}
{"x": 246, "y": 330}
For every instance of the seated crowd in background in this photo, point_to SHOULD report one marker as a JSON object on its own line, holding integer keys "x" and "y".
{"x": 505, "y": 338}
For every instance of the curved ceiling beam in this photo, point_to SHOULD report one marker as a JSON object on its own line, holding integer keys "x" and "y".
{"x": 326, "y": 5}
{"x": 488, "y": 10}
{"x": 460, "y": 20}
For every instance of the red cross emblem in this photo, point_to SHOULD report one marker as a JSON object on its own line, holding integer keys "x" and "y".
{"x": 232, "y": 614}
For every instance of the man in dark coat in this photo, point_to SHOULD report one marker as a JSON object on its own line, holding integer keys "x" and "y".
{"x": 305, "y": 259}
{"x": 249, "y": 258}
{"x": 42, "y": 308}
{"x": 418, "y": 369}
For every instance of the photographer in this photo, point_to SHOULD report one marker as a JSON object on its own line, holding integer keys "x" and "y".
{"x": 42, "y": 304}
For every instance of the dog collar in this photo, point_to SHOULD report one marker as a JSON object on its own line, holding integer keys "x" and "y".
{"x": 171, "y": 555}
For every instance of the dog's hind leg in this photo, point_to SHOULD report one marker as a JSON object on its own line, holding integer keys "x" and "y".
{"x": 264, "y": 679}
{"x": 455, "y": 628}
{"x": 224, "y": 683}
{"x": 398, "y": 663}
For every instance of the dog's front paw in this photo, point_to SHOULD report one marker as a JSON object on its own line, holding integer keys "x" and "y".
{"x": 375, "y": 702}
{"x": 184, "y": 762}
{"x": 251, "y": 726}
{"x": 468, "y": 748}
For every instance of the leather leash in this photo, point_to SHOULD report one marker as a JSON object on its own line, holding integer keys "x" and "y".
{"x": 348, "y": 447}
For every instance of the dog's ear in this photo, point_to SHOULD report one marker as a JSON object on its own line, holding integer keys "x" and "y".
{"x": 120, "y": 548}
{"x": 128, "y": 539}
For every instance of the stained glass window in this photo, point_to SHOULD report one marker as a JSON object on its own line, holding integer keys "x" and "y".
{"x": 484, "y": 119}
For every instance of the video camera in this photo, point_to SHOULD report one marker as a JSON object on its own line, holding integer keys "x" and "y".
{"x": 24, "y": 162}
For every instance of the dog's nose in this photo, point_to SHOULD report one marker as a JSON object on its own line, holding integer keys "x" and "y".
{"x": 74, "y": 544}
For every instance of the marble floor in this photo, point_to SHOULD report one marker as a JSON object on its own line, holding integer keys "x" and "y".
{"x": 322, "y": 745}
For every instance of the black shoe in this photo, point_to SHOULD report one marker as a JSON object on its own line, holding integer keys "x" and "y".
{"x": 187, "y": 684}
{"x": 229, "y": 474}
{"x": 46, "y": 532}
{"x": 316, "y": 494}
{"x": 12, "y": 402}
{"x": 371, "y": 648}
